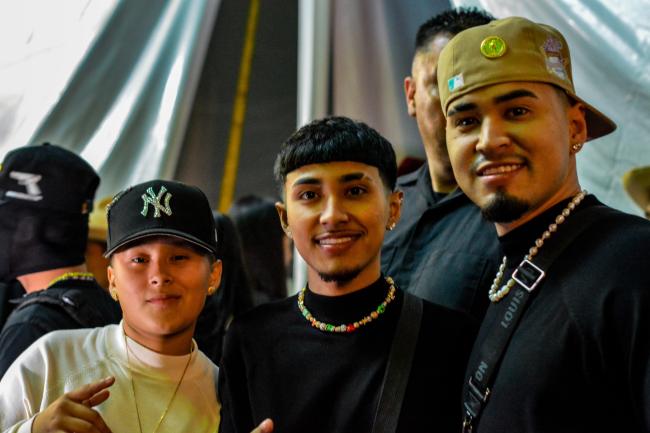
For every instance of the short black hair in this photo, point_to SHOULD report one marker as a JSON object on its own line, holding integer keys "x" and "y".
{"x": 333, "y": 139}
{"x": 451, "y": 21}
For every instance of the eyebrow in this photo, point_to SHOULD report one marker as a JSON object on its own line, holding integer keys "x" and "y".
{"x": 459, "y": 108}
{"x": 521, "y": 93}
{"x": 350, "y": 177}
{"x": 467, "y": 106}
{"x": 306, "y": 181}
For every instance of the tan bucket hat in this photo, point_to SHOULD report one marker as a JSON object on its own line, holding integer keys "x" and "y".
{"x": 507, "y": 50}
{"x": 637, "y": 184}
{"x": 97, "y": 221}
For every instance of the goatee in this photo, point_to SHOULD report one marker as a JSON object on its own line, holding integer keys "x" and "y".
{"x": 504, "y": 209}
{"x": 344, "y": 276}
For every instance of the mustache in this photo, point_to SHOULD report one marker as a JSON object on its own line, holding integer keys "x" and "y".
{"x": 502, "y": 159}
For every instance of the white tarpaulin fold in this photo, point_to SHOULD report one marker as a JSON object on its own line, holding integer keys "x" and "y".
{"x": 125, "y": 106}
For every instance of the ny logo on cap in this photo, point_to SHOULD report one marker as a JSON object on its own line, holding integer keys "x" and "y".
{"x": 30, "y": 181}
{"x": 154, "y": 200}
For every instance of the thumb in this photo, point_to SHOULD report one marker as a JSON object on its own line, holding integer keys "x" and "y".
{"x": 265, "y": 426}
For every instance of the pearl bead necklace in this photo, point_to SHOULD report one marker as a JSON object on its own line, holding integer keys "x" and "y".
{"x": 495, "y": 294}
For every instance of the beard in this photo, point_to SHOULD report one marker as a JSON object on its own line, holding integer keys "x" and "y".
{"x": 340, "y": 277}
{"x": 504, "y": 208}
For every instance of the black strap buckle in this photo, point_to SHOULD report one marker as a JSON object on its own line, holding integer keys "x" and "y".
{"x": 528, "y": 275}
{"x": 483, "y": 396}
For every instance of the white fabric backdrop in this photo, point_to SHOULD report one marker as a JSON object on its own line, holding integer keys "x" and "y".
{"x": 125, "y": 87}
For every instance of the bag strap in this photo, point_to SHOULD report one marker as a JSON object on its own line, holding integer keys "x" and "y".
{"x": 399, "y": 364}
{"x": 75, "y": 302}
{"x": 527, "y": 277}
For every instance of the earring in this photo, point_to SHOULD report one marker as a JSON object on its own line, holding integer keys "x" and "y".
{"x": 287, "y": 231}
{"x": 113, "y": 293}
{"x": 576, "y": 147}
{"x": 391, "y": 226}
{"x": 211, "y": 290}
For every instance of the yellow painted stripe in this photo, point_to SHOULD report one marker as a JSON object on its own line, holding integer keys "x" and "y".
{"x": 239, "y": 111}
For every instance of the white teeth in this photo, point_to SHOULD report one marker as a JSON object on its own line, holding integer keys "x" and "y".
{"x": 334, "y": 241}
{"x": 500, "y": 169}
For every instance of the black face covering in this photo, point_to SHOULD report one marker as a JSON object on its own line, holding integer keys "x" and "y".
{"x": 36, "y": 240}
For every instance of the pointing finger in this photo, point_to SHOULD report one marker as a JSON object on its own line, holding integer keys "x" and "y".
{"x": 86, "y": 392}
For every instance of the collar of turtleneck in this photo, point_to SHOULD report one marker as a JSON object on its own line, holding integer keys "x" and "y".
{"x": 150, "y": 363}
{"x": 347, "y": 308}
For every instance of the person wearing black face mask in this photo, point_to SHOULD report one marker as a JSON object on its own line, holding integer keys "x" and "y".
{"x": 46, "y": 194}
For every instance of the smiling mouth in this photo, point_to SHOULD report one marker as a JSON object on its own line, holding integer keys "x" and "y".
{"x": 161, "y": 300}
{"x": 499, "y": 169}
{"x": 334, "y": 240}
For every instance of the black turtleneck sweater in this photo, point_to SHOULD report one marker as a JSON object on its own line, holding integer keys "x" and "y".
{"x": 276, "y": 365}
{"x": 579, "y": 360}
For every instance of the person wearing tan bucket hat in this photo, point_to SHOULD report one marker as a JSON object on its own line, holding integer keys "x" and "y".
{"x": 96, "y": 245}
{"x": 637, "y": 185}
{"x": 565, "y": 343}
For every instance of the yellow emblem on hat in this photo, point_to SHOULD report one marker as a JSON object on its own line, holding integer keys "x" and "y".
{"x": 493, "y": 47}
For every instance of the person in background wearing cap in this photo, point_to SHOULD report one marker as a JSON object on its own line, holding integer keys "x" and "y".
{"x": 97, "y": 232}
{"x": 565, "y": 343}
{"x": 637, "y": 185}
{"x": 442, "y": 249}
{"x": 317, "y": 361}
{"x": 46, "y": 194}
{"x": 161, "y": 245}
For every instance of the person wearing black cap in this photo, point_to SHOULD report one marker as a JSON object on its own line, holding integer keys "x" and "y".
{"x": 46, "y": 194}
{"x": 162, "y": 247}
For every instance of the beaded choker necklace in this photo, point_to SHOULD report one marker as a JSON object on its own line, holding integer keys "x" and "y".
{"x": 495, "y": 294}
{"x": 326, "y": 327}
{"x": 80, "y": 276}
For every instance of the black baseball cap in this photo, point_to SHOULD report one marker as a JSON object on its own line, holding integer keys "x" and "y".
{"x": 47, "y": 177}
{"x": 161, "y": 207}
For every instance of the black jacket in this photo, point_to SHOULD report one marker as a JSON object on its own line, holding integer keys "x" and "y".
{"x": 9, "y": 291}
{"x": 68, "y": 304}
{"x": 442, "y": 249}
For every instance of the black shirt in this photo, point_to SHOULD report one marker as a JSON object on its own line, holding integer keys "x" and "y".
{"x": 277, "y": 365}
{"x": 579, "y": 360}
{"x": 442, "y": 249}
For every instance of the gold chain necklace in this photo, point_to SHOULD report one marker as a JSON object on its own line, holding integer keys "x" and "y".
{"x": 83, "y": 276}
{"x": 326, "y": 327}
{"x": 495, "y": 294}
{"x": 135, "y": 398}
